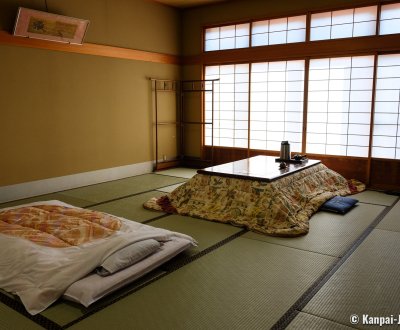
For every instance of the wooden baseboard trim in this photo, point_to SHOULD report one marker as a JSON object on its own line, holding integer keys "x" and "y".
{"x": 89, "y": 49}
{"x": 167, "y": 164}
{"x": 57, "y": 184}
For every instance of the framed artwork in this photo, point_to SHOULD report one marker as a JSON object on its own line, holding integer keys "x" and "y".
{"x": 42, "y": 25}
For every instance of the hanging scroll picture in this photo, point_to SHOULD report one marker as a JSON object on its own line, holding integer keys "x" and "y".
{"x": 42, "y": 25}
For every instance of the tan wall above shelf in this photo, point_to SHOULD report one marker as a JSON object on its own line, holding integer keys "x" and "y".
{"x": 89, "y": 49}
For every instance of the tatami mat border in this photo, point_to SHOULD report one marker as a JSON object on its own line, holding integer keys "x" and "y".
{"x": 292, "y": 312}
{"x": 135, "y": 194}
{"x": 119, "y": 198}
{"x": 156, "y": 218}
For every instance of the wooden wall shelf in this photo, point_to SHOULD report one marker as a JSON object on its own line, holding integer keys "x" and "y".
{"x": 89, "y": 49}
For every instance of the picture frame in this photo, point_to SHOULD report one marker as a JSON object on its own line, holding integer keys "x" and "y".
{"x": 37, "y": 24}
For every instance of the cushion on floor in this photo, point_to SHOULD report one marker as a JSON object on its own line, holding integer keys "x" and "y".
{"x": 339, "y": 204}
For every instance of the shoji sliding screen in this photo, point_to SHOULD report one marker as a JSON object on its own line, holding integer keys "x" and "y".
{"x": 227, "y": 37}
{"x": 348, "y": 23}
{"x": 386, "y": 133}
{"x": 276, "y": 105}
{"x": 276, "y": 112}
{"x": 339, "y": 105}
{"x": 278, "y": 31}
{"x": 389, "y": 22}
{"x": 231, "y": 105}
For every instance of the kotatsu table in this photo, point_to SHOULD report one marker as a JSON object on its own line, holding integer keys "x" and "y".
{"x": 256, "y": 194}
{"x": 261, "y": 168}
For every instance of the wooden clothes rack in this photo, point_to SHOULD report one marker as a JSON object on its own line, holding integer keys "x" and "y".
{"x": 180, "y": 89}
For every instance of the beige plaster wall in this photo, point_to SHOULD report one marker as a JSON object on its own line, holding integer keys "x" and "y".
{"x": 64, "y": 113}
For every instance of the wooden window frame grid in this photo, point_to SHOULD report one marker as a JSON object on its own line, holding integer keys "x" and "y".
{"x": 353, "y": 46}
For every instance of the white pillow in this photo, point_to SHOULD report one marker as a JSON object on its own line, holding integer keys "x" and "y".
{"x": 94, "y": 287}
{"x": 127, "y": 256}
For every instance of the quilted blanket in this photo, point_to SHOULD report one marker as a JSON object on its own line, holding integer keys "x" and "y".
{"x": 56, "y": 225}
{"x": 279, "y": 208}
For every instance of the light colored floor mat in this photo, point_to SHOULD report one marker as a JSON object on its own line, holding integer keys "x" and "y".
{"x": 245, "y": 284}
{"x": 124, "y": 187}
{"x": 180, "y": 172}
{"x": 367, "y": 283}
{"x": 56, "y": 196}
{"x": 131, "y": 207}
{"x": 63, "y": 312}
{"x": 375, "y": 197}
{"x": 12, "y": 320}
{"x": 206, "y": 233}
{"x": 310, "y": 322}
{"x": 170, "y": 188}
{"x": 392, "y": 220}
{"x": 330, "y": 233}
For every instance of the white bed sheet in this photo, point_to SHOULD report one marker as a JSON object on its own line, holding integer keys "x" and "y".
{"x": 39, "y": 275}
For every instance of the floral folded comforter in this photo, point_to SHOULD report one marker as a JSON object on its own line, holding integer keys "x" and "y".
{"x": 279, "y": 208}
{"x": 57, "y": 225}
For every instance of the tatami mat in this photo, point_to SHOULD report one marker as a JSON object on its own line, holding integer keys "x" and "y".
{"x": 310, "y": 322}
{"x": 131, "y": 207}
{"x": 244, "y": 284}
{"x": 180, "y": 172}
{"x": 170, "y": 188}
{"x": 64, "y": 312}
{"x": 367, "y": 283}
{"x": 206, "y": 233}
{"x": 120, "y": 188}
{"x": 102, "y": 192}
{"x": 330, "y": 233}
{"x": 392, "y": 219}
{"x": 56, "y": 196}
{"x": 12, "y": 320}
{"x": 375, "y": 197}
